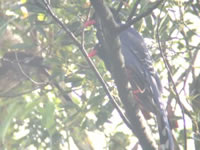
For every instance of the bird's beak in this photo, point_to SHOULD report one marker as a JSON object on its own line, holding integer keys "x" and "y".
{"x": 89, "y": 23}
{"x": 92, "y": 53}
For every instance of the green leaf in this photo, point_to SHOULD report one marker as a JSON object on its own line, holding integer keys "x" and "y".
{"x": 13, "y": 109}
{"x": 149, "y": 24}
{"x": 29, "y": 108}
{"x": 5, "y": 24}
{"x": 48, "y": 117}
{"x": 21, "y": 46}
{"x": 76, "y": 101}
{"x": 164, "y": 24}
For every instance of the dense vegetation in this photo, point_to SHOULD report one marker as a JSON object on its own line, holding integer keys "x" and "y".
{"x": 51, "y": 98}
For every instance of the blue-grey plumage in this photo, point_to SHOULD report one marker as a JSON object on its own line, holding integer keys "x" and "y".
{"x": 138, "y": 59}
{"x": 142, "y": 76}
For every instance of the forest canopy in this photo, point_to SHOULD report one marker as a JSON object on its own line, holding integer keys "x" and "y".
{"x": 53, "y": 96}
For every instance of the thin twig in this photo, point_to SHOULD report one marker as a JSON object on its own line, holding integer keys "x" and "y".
{"x": 83, "y": 50}
{"x": 83, "y": 31}
{"x": 25, "y": 74}
{"x": 133, "y": 11}
{"x": 119, "y": 7}
{"x": 172, "y": 81}
{"x": 193, "y": 59}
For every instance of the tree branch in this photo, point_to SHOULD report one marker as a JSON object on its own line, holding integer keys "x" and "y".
{"x": 133, "y": 11}
{"x": 91, "y": 64}
{"x": 172, "y": 81}
{"x": 139, "y": 17}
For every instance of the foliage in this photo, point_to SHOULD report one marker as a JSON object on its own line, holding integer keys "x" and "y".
{"x": 37, "y": 111}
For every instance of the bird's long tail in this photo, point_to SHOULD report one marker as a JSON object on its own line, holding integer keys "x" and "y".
{"x": 166, "y": 137}
{"x": 165, "y": 132}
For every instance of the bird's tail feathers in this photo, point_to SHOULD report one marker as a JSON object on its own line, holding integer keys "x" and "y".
{"x": 166, "y": 137}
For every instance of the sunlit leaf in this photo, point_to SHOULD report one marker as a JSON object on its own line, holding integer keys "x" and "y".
{"x": 13, "y": 109}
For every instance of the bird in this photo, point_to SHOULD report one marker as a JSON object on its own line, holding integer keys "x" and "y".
{"x": 144, "y": 80}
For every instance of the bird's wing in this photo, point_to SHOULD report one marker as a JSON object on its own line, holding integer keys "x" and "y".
{"x": 137, "y": 57}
